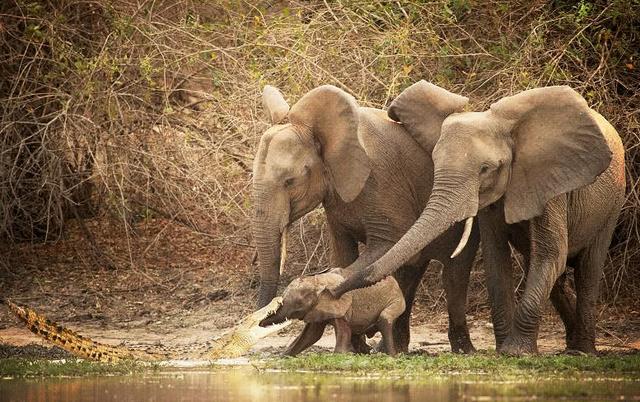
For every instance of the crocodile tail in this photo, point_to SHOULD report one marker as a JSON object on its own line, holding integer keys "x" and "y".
{"x": 73, "y": 342}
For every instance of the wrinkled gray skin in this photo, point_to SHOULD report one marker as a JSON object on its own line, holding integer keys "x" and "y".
{"x": 373, "y": 180}
{"x": 363, "y": 311}
{"x": 542, "y": 171}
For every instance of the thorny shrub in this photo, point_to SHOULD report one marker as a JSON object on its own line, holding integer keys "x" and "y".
{"x": 131, "y": 109}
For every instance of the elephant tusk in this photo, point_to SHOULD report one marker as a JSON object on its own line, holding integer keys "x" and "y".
{"x": 283, "y": 249}
{"x": 465, "y": 237}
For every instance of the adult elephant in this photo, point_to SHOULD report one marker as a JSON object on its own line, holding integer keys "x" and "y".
{"x": 543, "y": 172}
{"x": 373, "y": 180}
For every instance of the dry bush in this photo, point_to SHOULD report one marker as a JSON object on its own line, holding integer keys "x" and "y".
{"x": 141, "y": 108}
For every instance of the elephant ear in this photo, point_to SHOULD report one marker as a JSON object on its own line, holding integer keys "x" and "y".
{"x": 422, "y": 108}
{"x": 274, "y": 104}
{"x": 558, "y": 147}
{"x": 328, "y": 307}
{"x": 332, "y": 117}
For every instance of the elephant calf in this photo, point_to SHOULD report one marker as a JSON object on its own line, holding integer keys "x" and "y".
{"x": 363, "y": 311}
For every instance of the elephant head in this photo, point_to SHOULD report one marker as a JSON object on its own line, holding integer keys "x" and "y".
{"x": 525, "y": 150}
{"x": 308, "y": 299}
{"x": 300, "y": 163}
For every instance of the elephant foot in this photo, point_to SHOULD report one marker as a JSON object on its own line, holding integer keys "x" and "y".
{"x": 400, "y": 341}
{"x": 343, "y": 349}
{"x": 362, "y": 351}
{"x": 466, "y": 348}
{"x": 584, "y": 347}
{"x": 573, "y": 352}
{"x": 461, "y": 341}
{"x": 381, "y": 348}
{"x": 499, "y": 342}
{"x": 401, "y": 347}
{"x": 360, "y": 345}
{"x": 514, "y": 346}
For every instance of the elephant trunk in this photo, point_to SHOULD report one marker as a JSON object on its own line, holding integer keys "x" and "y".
{"x": 454, "y": 198}
{"x": 269, "y": 247}
{"x": 269, "y": 232}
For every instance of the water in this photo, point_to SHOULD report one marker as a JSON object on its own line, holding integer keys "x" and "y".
{"x": 239, "y": 385}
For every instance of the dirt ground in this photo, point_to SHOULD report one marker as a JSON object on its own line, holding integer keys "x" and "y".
{"x": 165, "y": 286}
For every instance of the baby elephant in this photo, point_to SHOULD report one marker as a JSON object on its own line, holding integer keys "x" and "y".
{"x": 359, "y": 312}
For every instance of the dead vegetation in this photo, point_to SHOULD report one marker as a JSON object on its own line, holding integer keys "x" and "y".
{"x": 125, "y": 119}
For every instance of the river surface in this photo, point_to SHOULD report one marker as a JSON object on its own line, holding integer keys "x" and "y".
{"x": 245, "y": 384}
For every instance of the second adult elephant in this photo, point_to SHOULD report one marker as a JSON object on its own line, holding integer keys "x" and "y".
{"x": 542, "y": 171}
{"x": 373, "y": 180}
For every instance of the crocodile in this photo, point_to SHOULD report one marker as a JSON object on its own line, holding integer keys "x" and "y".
{"x": 244, "y": 335}
{"x": 233, "y": 344}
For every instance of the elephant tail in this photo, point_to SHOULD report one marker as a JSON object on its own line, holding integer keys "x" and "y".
{"x": 73, "y": 342}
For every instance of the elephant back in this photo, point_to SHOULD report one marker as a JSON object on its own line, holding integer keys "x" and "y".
{"x": 397, "y": 160}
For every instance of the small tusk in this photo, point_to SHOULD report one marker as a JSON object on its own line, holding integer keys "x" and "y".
{"x": 465, "y": 237}
{"x": 283, "y": 249}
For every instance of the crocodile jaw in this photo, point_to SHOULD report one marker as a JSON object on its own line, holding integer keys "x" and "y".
{"x": 259, "y": 332}
{"x": 248, "y": 332}
{"x": 251, "y": 324}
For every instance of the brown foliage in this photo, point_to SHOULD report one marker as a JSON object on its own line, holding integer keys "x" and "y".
{"x": 136, "y": 109}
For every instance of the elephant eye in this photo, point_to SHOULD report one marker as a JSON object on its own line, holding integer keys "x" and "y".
{"x": 289, "y": 182}
{"x": 488, "y": 168}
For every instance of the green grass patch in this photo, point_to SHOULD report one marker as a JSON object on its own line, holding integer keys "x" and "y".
{"x": 448, "y": 363}
{"x": 19, "y": 368}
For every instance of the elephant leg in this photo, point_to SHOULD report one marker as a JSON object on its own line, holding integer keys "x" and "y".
{"x": 386, "y": 329}
{"x": 344, "y": 251}
{"x": 408, "y": 278}
{"x": 309, "y": 335}
{"x": 343, "y": 336}
{"x": 385, "y": 324}
{"x": 497, "y": 263}
{"x": 343, "y": 247}
{"x": 548, "y": 258}
{"x": 587, "y": 274}
{"x": 359, "y": 344}
{"x": 455, "y": 278}
{"x": 564, "y": 301}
